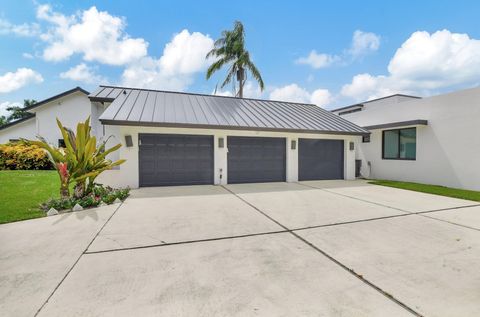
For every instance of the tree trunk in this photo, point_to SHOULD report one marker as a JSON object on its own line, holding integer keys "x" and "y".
{"x": 240, "y": 76}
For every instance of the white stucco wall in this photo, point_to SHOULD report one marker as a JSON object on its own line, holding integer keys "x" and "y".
{"x": 448, "y": 148}
{"x": 128, "y": 174}
{"x": 25, "y": 130}
{"x": 70, "y": 109}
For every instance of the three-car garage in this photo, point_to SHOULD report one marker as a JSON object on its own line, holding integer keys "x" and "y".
{"x": 178, "y": 138}
{"x": 176, "y": 159}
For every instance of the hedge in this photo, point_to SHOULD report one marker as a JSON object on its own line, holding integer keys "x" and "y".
{"x": 23, "y": 156}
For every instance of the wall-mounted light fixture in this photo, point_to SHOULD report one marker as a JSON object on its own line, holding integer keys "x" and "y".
{"x": 128, "y": 141}
{"x": 221, "y": 143}
{"x": 293, "y": 145}
{"x": 352, "y": 146}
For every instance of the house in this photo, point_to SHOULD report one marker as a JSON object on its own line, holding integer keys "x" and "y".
{"x": 175, "y": 138}
{"x": 432, "y": 140}
{"x": 70, "y": 107}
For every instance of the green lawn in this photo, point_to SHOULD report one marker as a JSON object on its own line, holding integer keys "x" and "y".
{"x": 22, "y": 191}
{"x": 432, "y": 189}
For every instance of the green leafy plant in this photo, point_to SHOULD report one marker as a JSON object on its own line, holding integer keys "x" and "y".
{"x": 81, "y": 161}
{"x": 230, "y": 50}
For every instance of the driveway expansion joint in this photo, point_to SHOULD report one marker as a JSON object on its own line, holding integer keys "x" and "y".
{"x": 407, "y": 213}
{"x": 186, "y": 242}
{"x": 76, "y": 261}
{"x": 331, "y": 258}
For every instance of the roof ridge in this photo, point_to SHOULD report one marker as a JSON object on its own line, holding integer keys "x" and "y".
{"x": 205, "y": 95}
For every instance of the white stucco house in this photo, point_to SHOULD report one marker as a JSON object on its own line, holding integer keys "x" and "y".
{"x": 175, "y": 138}
{"x": 434, "y": 140}
{"x": 70, "y": 107}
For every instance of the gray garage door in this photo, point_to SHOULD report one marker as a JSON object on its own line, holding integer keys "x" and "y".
{"x": 320, "y": 159}
{"x": 174, "y": 159}
{"x": 254, "y": 159}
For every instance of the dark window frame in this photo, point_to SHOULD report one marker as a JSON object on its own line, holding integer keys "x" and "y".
{"x": 398, "y": 141}
{"x": 366, "y": 139}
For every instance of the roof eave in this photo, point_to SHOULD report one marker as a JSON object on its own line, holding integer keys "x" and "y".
{"x": 14, "y": 123}
{"x": 223, "y": 127}
{"x": 63, "y": 94}
{"x": 398, "y": 124}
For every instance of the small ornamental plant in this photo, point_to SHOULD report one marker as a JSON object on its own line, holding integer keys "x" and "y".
{"x": 78, "y": 165}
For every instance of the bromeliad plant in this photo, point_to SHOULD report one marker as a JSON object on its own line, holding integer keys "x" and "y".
{"x": 81, "y": 161}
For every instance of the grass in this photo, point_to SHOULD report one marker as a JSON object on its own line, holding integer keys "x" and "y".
{"x": 431, "y": 189}
{"x": 21, "y": 192}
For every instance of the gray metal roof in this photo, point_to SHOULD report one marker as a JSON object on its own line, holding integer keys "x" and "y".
{"x": 144, "y": 107}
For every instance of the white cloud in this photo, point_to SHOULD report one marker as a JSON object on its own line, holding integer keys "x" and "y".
{"x": 23, "y": 30}
{"x": 423, "y": 64}
{"x": 295, "y": 93}
{"x": 321, "y": 97}
{"x": 364, "y": 43}
{"x": 15, "y": 80}
{"x": 317, "y": 60}
{"x": 182, "y": 57}
{"x": 83, "y": 73}
{"x": 97, "y": 35}
{"x": 27, "y": 56}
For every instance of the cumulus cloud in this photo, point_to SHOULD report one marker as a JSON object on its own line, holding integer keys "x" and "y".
{"x": 15, "y": 80}
{"x": 182, "y": 57}
{"x": 423, "y": 64}
{"x": 96, "y": 35}
{"x": 317, "y": 60}
{"x": 23, "y": 30}
{"x": 362, "y": 44}
{"x": 295, "y": 93}
{"x": 83, "y": 73}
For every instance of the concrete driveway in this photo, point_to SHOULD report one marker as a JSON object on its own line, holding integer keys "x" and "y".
{"x": 320, "y": 248}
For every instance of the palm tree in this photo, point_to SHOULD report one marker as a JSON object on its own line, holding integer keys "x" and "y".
{"x": 230, "y": 50}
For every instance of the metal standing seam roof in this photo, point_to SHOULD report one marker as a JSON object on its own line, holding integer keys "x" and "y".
{"x": 144, "y": 107}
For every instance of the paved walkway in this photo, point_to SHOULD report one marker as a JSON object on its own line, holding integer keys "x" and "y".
{"x": 320, "y": 248}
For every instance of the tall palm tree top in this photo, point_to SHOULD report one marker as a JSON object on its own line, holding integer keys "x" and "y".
{"x": 230, "y": 50}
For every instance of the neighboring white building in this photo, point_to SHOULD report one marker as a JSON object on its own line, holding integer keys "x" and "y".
{"x": 434, "y": 140}
{"x": 70, "y": 107}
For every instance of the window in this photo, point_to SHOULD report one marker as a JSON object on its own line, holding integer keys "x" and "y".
{"x": 400, "y": 144}
{"x": 366, "y": 139}
{"x": 61, "y": 143}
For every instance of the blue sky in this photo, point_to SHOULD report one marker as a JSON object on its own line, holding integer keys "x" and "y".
{"x": 330, "y": 53}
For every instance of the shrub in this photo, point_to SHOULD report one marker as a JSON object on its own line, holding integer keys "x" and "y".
{"x": 99, "y": 194}
{"x": 23, "y": 156}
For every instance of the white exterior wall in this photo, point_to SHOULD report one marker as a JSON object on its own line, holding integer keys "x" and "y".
{"x": 70, "y": 109}
{"x": 128, "y": 173}
{"x": 26, "y": 130}
{"x": 448, "y": 148}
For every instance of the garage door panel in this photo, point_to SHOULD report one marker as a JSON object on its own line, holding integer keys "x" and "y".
{"x": 320, "y": 159}
{"x": 173, "y": 159}
{"x": 255, "y": 159}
